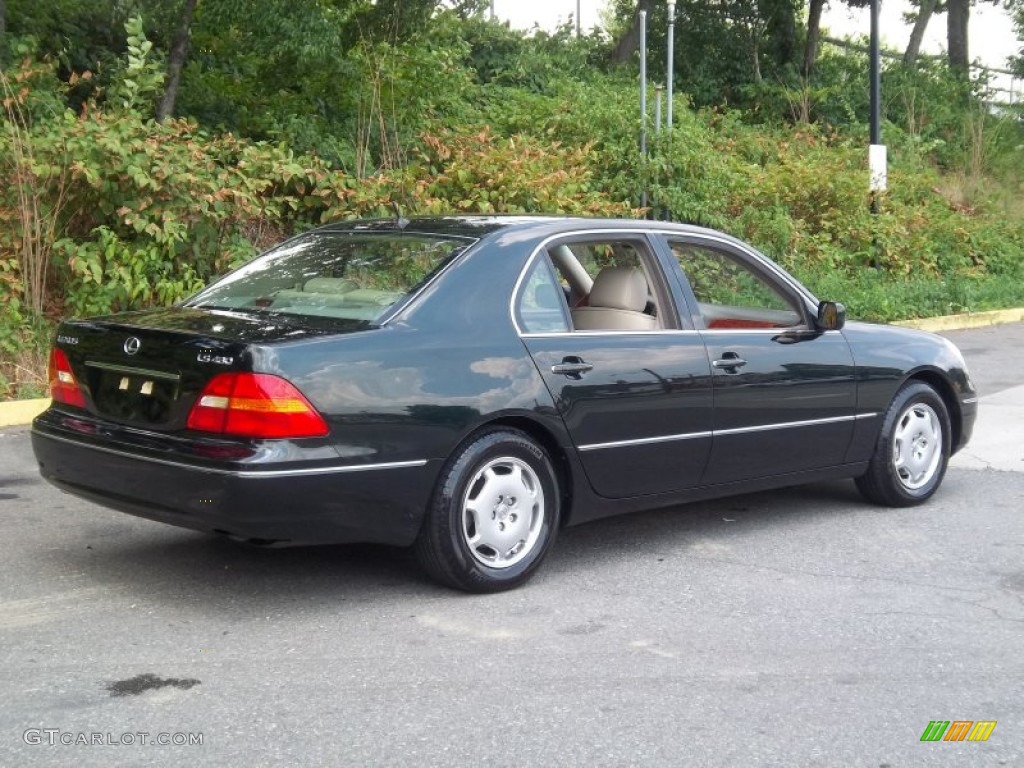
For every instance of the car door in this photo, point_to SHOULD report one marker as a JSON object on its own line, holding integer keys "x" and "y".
{"x": 784, "y": 393}
{"x": 636, "y": 400}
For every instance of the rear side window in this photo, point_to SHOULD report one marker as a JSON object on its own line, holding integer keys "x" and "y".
{"x": 540, "y": 306}
{"x": 609, "y": 284}
{"x": 347, "y": 276}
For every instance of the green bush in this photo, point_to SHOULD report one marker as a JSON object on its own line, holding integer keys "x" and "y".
{"x": 106, "y": 210}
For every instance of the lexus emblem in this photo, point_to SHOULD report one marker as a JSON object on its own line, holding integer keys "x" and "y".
{"x": 132, "y": 345}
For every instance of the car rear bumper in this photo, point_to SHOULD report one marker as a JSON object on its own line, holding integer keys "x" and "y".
{"x": 374, "y": 503}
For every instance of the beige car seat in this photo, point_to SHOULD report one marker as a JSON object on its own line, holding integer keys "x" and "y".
{"x": 616, "y": 303}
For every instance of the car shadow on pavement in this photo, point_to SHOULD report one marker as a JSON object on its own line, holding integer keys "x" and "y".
{"x": 681, "y": 525}
{"x": 209, "y": 573}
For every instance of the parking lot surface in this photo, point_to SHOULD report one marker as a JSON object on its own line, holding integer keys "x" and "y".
{"x": 796, "y": 628}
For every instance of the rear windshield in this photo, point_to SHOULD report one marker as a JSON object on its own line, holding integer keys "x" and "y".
{"x": 341, "y": 275}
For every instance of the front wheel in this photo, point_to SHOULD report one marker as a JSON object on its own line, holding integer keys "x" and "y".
{"x": 494, "y": 515}
{"x": 912, "y": 449}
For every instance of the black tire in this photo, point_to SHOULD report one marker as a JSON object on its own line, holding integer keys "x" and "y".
{"x": 912, "y": 449}
{"x": 499, "y": 546}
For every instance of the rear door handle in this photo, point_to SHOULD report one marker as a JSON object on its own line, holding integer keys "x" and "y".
{"x": 573, "y": 367}
{"x": 729, "y": 363}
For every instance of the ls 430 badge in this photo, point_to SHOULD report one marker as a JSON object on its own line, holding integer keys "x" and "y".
{"x": 206, "y": 357}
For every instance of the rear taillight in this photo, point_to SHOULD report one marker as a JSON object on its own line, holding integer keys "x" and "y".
{"x": 255, "y": 405}
{"x": 63, "y": 387}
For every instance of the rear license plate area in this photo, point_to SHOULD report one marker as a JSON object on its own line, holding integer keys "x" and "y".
{"x": 134, "y": 396}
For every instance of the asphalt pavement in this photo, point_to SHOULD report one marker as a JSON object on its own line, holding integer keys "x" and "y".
{"x": 802, "y": 627}
{"x": 995, "y": 357}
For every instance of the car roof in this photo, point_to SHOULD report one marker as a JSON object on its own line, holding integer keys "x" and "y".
{"x": 479, "y": 226}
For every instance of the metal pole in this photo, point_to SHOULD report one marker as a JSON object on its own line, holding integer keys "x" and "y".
{"x": 671, "y": 64}
{"x": 643, "y": 99}
{"x": 492, "y": 10}
{"x": 657, "y": 109}
{"x": 643, "y": 82}
{"x": 577, "y": 18}
{"x": 876, "y": 78}
{"x": 876, "y": 152}
{"x": 876, "y": 94}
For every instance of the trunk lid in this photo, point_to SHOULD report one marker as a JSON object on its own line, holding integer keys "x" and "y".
{"x": 146, "y": 369}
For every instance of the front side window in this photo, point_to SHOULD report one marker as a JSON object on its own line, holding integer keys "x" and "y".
{"x": 350, "y": 276}
{"x": 730, "y": 294}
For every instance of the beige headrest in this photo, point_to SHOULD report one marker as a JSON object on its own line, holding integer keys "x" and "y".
{"x": 328, "y": 285}
{"x": 619, "y": 288}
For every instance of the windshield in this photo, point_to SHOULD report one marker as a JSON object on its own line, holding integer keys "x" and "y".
{"x": 349, "y": 276}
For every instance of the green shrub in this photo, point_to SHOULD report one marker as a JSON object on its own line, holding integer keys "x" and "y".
{"x": 106, "y": 210}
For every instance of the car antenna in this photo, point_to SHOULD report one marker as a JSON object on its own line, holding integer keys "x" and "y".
{"x": 399, "y": 219}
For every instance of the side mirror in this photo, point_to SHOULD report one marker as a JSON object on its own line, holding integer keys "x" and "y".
{"x": 831, "y": 316}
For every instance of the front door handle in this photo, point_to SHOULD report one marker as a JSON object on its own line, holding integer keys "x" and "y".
{"x": 573, "y": 367}
{"x": 730, "y": 363}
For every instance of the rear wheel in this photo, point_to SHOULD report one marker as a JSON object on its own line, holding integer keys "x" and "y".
{"x": 494, "y": 515}
{"x": 912, "y": 450}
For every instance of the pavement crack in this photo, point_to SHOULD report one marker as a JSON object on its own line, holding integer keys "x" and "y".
{"x": 994, "y": 611}
{"x": 850, "y": 576}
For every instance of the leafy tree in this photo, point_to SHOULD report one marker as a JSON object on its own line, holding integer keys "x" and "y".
{"x": 628, "y": 41}
{"x": 258, "y": 66}
{"x": 720, "y": 46}
{"x": 781, "y": 29}
{"x": 82, "y": 37}
{"x": 925, "y": 10}
{"x": 3, "y": 34}
{"x": 958, "y": 13}
{"x": 388, "y": 20}
{"x": 813, "y": 38}
{"x": 957, "y": 19}
{"x": 1016, "y": 10}
{"x": 176, "y": 61}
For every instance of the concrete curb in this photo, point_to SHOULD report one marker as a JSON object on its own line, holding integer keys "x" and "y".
{"x": 964, "y": 321}
{"x": 20, "y": 412}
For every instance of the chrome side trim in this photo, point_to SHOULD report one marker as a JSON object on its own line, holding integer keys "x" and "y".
{"x": 792, "y": 424}
{"x": 715, "y": 433}
{"x": 969, "y": 400}
{"x": 247, "y": 473}
{"x": 332, "y": 470}
{"x": 645, "y": 441}
{"x": 564, "y": 334}
{"x": 660, "y": 332}
{"x": 764, "y": 331}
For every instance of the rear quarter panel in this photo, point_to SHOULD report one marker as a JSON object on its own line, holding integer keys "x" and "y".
{"x": 449, "y": 363}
